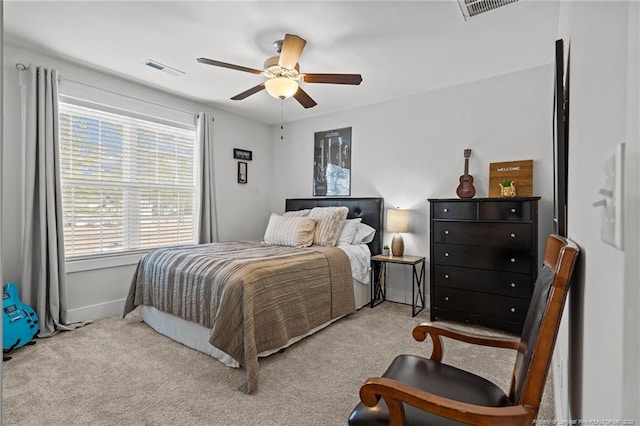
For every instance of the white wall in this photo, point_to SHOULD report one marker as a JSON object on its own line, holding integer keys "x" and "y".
{"x": 601, "y": 332}
{"x": 412, "y": 149}
{"x": 243, "y": 209}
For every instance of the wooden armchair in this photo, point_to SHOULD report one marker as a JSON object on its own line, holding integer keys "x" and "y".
{"x": 420, "y": 391}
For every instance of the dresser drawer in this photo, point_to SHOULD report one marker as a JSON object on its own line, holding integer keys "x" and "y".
{"x": 513, "y": 235}
{"x": 505, "y": 210}
{"x": 510, "y": 284}
{"x": 455, "y": 210}
{"x": 490, "y": 305}
{"x": 482, "y": 257}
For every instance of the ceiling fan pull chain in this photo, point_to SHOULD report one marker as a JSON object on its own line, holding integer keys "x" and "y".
{"x": 281, "y": 119}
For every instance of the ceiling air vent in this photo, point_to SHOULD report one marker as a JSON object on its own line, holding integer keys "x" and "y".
{"x": 164, "y": 68}
{"x": 471, "y": 8}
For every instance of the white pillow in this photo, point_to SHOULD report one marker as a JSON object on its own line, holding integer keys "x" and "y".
{"x": 329, "y": 221}
{"x": 290, "y": 231}
{"x": 300, "y": 213}
{"x": 348, "y": 232}
{"x": 364, "y": 234}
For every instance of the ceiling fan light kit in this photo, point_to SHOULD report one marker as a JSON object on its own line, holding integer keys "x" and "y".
{"x": 281, "y": 87}
{"x": 283, "y": 73}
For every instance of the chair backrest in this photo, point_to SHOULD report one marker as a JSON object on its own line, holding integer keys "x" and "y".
{"x": 542, "y": 322}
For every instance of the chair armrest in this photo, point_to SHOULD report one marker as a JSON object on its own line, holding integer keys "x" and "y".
{"x": 421, "y": 331}
{"x": 395, "y": 393}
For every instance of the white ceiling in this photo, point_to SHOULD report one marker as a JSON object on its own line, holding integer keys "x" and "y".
{"x": 400, "y": 48}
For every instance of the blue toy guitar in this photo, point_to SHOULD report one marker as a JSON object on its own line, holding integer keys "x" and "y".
{"x": 19, "y": 320}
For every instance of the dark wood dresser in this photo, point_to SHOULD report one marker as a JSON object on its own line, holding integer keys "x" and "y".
{"x": 484, "y": 260}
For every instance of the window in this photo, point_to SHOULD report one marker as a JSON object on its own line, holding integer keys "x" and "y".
{"x": 127, "y": 183}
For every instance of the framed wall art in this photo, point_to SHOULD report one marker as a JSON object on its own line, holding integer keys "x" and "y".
{"x": 332, "y": 163}
{"x": 242, "y": 154}
{"x": 242, "y": 172}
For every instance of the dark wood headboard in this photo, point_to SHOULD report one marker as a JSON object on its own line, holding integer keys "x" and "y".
{"x": 370, "y": 209}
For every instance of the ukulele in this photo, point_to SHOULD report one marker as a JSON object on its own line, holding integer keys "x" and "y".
{"x": 466, "y": 189}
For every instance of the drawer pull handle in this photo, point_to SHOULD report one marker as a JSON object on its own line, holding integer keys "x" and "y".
{"x": 446, "y": 298}
{"x": 512, "y": 235}
{"x": 445, "y": 210}
{"x": 513, "y": 210}
{"x": 513, "y": 309}
{"x": 446, "y": 276}
{"x": 446, "y": 232}
{"x": 513, "y": 260}
{"x": 513, "y": 285}
{"x": 446, "y": 255}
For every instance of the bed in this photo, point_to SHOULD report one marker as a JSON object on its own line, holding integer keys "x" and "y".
{"x": 262, "y": 298}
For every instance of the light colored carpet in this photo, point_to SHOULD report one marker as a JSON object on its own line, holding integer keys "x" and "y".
{"x": 113, "y": 372}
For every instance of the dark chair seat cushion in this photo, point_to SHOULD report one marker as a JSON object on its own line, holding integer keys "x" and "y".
{"x": 437, "y": 378}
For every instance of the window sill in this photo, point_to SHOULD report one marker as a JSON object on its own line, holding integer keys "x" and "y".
{"x": 103, "y": 262}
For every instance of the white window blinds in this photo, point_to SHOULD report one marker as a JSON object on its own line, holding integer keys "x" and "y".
{"x": 127, "y": 183}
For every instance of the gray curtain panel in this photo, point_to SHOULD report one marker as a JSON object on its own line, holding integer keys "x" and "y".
{"x": 207, "y": 219}
{"x": 43, "y": 283}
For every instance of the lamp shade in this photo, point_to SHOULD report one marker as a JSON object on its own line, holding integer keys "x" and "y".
{"x": 281, "y": 87}
{"x": 397, "y": 220}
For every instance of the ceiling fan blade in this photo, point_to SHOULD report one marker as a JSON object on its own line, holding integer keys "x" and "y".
{"x": 226, "y": 65}
{"x": 304, "y": 99}
{"x": 292, "y": 46}
{"x": 249, "y": 92}
{"x": 333, "y": 78}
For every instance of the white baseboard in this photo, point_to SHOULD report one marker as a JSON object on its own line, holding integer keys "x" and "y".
{"x": 94, "y": 312}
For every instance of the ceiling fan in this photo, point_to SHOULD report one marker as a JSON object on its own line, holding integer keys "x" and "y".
{"x": 283, "y": 73}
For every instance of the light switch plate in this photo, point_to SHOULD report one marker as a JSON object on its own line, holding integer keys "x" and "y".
{"x": 612, "y": 191}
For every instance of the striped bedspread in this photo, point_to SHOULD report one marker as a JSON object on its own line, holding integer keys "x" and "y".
{"x": 252, "y": 296}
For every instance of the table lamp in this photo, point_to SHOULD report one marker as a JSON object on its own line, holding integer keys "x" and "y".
{"x": 397, "y": 221}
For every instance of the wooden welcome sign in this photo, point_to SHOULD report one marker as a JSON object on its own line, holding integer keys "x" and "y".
{"x": 520, "y": 172}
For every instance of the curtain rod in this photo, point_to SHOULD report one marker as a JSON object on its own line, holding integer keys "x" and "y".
{"x": 22, "y": 67}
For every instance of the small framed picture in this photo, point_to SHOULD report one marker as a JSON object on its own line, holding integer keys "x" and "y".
{"x": 242, "y": 172}
{"x": 242, "y": 154}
